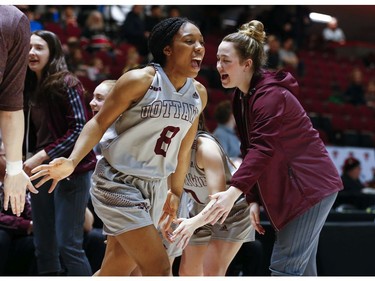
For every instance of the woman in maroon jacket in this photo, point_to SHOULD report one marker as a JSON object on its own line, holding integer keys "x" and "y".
{"x": 285, "y": 167}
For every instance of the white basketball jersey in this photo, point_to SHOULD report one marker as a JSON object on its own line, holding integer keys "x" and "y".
{"x": 149, "y": 134}
{"x": 195, "y": 182}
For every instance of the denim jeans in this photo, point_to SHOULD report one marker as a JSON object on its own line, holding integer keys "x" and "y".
{"x": 58, "y": 226}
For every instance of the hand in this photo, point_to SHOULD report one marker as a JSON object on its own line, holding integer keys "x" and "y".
{"x": 169, "y": 214}
{"x": 15, "y": 191}
{"x": 34, "y": 161}
{"x": 56, "y": 170}
{"x": 183, "y": 232}
{"x": 224, "y": 203}
{"x": 254, "y": 218}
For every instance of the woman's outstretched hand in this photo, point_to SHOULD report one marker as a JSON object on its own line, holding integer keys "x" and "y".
{"x": 56, "y": 170}
{"x": 224, "y": 203}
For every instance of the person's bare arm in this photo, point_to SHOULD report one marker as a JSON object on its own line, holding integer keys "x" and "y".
{"x": 131, "y": 87}
{"x": 177, "y": 179}
{"x": 209, "y": 158}
{"x": 15, "y": 181}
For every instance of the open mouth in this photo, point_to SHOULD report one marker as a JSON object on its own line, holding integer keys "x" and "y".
{"x": 196, "y": 63}
{"x": 224, "y": 76}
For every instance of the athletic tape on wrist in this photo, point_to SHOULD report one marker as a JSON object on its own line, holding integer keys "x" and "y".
{"x": 13, "y": 168}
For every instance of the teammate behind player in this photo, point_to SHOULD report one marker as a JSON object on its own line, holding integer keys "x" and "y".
{"x": 210, "y": 248}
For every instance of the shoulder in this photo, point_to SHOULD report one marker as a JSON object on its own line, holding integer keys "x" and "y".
{"x": 138, "y": 78}
{"x": 134, "y": 84}
{"x": 208, "y": 146}
{"x": 70, "y": 79}
{"x": 208, "y": 154}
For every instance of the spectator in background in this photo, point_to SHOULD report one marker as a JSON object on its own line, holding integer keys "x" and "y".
{"x": 225, "y": 131}
{"x": 133, "y": 29}
{"x": 132, "y": 59}
{"x": 74, "y": 58}
{"x": 351, "y": 197}
{"x": 370, "y": 93}
{"x": 94, "y": 37}
{"x": 34, "y": 18}
{"x": 355, "y": 93}
{"x": 288, "y": 55}
{"x": 333, "y": 33}
{"x": 69, "y": 16}
{"x": 155, "y": 17}
{"x": 51, "y": 14}
{"x": 96, "y": 70}
{"x": 272, "y": 50}
{"x": 351, "y": 172}
{"x": 173, "y": 11}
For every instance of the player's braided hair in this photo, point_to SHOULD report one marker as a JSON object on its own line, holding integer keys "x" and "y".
{"x": 162, "y": 35}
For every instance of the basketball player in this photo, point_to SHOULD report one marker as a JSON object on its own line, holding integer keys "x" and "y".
{"x": 210, "y": 248}
{"x": 156, "y": 109}
{"x": 100, "y": 94}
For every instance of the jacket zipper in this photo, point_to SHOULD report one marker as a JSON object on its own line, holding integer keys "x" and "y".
{"x": 245, "y": 109}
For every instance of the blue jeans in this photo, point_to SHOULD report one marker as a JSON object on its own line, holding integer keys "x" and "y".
{"x": 296, "y": 245}
{"x": 58, "y": 226}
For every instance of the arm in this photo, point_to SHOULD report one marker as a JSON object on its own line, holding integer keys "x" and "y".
{"x": 128, "y": 89}
{"x": 75, "y": 119}
{"x": 209, "y": 158}
{"x": 268, "y": 115}
{"x": 11, "y": 116}
{"x": 16, "y": 181}
{"x": 177, "y": 179}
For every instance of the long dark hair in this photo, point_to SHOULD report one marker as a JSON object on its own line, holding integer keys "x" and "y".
{"x": 52, "y": 80}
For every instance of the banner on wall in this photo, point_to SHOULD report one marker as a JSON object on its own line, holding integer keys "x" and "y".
{"x": 365, "y": 155}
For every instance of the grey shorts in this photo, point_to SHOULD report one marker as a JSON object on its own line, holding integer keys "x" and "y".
{"x": 124, "y": 202}
{"x": 236, "y": 228}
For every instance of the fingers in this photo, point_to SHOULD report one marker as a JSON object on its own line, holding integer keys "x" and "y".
{"x": 40, "y": 168}
{"x": 39, "y": 174}
{"x": 260, "y": 229}
{"x": 215, "y": 216}
{"x": 6, "y": 202}
{"x": 214, "y": 196}
{"x": 42, "y": 181}
{"x": 255, "y": 222}
{"x": 169, "y": 222}
{"x": 183, "y": 242}
{"x": 224, "y": 217}
{"x": 31, "y": 188}
{"x": 17, "y": 203}
{"x": 53, "y": 185}
{"x": 162, "y": 218}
